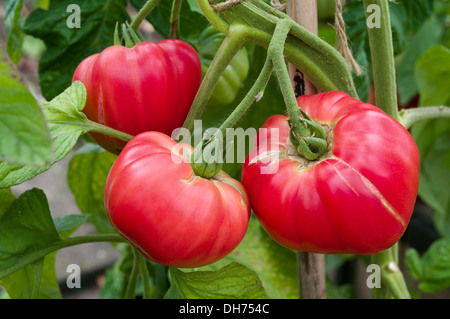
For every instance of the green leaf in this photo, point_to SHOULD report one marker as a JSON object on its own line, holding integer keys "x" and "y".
{"x": 412, "y": 261}
{"x": 275, "y": 265}
{"x": 433, "y": 137}
{"x": 25, "y": 228}
{"x": 433, "y": 269}
{"x": 88, "y": 170}
{"x": 233, "y": 281}
{"x": 427, "y": 36}
{"x": 67, "y": 47}
{"x": 13, "y": 27}
{"x": 6, "y": 199}
{"x": 64, "y": 108}
{"x": 68, "y": 224}
{"x": 432, "y": 72}
{"x": 192, "y": 21}
{"x": 24, "y": 136}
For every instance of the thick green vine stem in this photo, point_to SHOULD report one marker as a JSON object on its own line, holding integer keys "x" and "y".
{"x": 143, "y": 13}
{"x": 409, "y": 117}
{"x": 321, "y": 63}
{"x": 72, "y": 241}
{"x": 382, "y": 53}
{"x": 205, "y": 162}
{"x": 228, "y": 49}
{"x": 174, "y": 17}
{"x": 309, "y": 146}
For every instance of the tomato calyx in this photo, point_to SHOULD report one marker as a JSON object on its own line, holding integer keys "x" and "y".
{"x": 310, "y": 141}
{"x": 206, "y": 160}
{"x": 129, "y": 36}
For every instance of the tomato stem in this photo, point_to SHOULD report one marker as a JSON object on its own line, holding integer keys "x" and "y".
{"x": 174, "y": 20}
{"x": 409, "y": 117}
{"x": 134, "y": 276}
{"x": 143, "y": 271}
{"x": 72, "y": 241}
{"x": 228, "y": 49}
{"x": 392, "y": 279}
{"x": 103, "y": 129}
{"x": 143, "y": 13}
{"x": 206, "y": 167}
{"x": 382, "y": 53}
{"x": 212, "y": 16}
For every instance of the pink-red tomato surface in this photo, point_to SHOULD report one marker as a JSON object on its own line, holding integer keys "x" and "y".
{"x": 149, "y": 87}
{"x": 175, "y": 218}
{"x": 357, "y": 198}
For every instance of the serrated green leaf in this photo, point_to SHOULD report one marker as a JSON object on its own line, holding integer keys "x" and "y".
{"x": 87, "y": 173}
{"x": 27, "y": 227}
{"x": 412, "y": 261}
{"x": 427, "y": 36}
{"x": 434, "y": 266}
{"x": 68, "y": 224}
{"x": 24, "y": 135}
{"x": 65, "y": 136}
{"x": 13, "y": 26}
{"x": 432, "y": 73}
{"x": 233, "y": 281}
{"x": 6, "y": 199}
{"x": 275, "y": 265}
{"x": 67, "y": 47}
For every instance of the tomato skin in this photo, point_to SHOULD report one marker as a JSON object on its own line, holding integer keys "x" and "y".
{"x": 358, "y": 198}
{"x": 172, "y": 216}
{"x": 150, "y": 86}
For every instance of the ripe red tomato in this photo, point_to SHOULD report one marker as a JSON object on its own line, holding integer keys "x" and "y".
{"x": 357, "y": 198}
{"x": 175, "y": 218}
{"x": 149, "y": 87}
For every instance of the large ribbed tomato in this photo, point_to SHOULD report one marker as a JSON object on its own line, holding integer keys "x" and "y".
{"x": 357, "y": 198}
{"x": 149, "y": 87}
{"x": 175, "y": 218}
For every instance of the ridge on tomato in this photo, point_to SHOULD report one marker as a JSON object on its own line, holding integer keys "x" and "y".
{"x": 357, "y": 198}
{"x": 173, "y": 217}
{"x": 233, "y": 77}
{"x": 150, "y": 86}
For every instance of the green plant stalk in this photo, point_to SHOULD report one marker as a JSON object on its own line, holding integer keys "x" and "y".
{"x": 207, "y": 167}
{"x": 254, "y": 94}
{"x": 383, "y": 64}
{"x": 143, "y": 13}
{"x": 228, "y": 49}
{"x": 212, "y": 16}
{"x": 33, "y": 257}
{"x": 174, "y": 20}
{"x": 409, "y": 117}
{"x": 134, "y": 276}
{"x": 383, "y": 70}
{"x": 321, "y": 63}
{"x": 143, "y": 270}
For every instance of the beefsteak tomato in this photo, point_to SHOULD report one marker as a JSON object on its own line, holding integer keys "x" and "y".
{"x": 357, "y": 198}
{"x": 173, "y": 217}
{"x": 149, "y": 87}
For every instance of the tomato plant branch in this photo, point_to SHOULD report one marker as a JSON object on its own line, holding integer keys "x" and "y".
{"x": 143, "y": 271}
{"x": 409, "y": 117}
{"x": 382, "y": 53}
{"x": 391, "y": 275}
{"x": 103, "y": 129}
{"x": 134, "y": 276}
{"x": 72, "y": 241}
{"x": 207, "y": 167}
{"x": 174, "y": 17}
{"x": 321, "y": 63}
{"x": 228, "y": 49}
{"x": 307, "y": 144}
{"x": 143, "y": 13}
{"x": 212, "y": 16}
